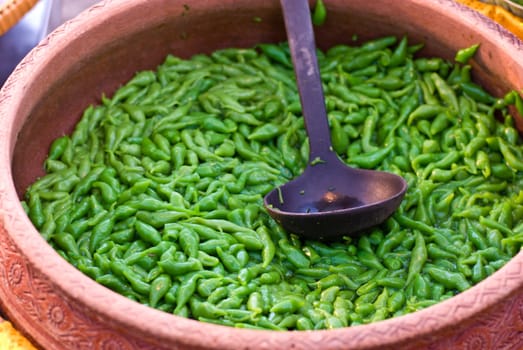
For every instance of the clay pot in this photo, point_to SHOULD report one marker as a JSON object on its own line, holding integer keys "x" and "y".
{"x": 59, "y": 308}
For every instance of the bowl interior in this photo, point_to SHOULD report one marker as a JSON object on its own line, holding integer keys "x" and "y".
{"x": 105, "y": 56}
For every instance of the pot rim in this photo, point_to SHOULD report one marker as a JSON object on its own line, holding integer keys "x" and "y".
{"x": 170, "y": 328}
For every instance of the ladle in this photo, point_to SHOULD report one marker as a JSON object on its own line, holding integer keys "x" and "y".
{"x": 330, "y": 199}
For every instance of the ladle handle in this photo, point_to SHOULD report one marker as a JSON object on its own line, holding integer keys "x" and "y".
{"x": 300, "y": 34}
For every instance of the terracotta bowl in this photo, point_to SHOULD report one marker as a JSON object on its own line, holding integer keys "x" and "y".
{"x": 57, "y": 307}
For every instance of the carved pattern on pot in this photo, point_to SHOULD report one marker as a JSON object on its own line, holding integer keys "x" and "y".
{"x": 47, "y": 312}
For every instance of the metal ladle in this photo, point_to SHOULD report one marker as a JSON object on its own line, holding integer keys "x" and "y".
{"x": 330, "y": 199}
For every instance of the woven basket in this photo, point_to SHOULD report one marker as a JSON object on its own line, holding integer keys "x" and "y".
{"x": 501, "y": 14}
{"x": 11, "y": 11}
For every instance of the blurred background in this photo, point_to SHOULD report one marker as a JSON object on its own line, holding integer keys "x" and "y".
{"x": 33, "y": 27}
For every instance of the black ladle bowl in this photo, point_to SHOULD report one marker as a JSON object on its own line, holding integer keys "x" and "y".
{"x": 330, "y": 199}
